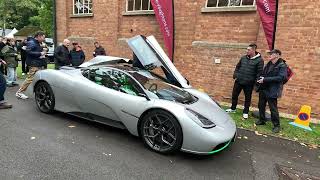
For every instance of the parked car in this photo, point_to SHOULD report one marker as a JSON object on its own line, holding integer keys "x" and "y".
{"x": 49, "y": 42}
{"x": 153, "y": 101}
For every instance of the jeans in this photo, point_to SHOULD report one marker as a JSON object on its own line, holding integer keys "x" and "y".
{"x": 273, "y": 105}
{"x": 12, "y": 75}
{"x": 2, "y": 86}
{"x": 247, "y": 89}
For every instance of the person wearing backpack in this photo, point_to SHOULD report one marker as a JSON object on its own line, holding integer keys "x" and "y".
{"x": 271, "y": 83}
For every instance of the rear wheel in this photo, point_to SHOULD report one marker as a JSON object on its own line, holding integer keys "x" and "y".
{"x": 161, "y": 132}
{"x": 44, "y": 97}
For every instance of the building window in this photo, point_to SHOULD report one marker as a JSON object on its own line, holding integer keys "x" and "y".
{"x": 82, "y": 7}
{"x": 139, "y": 6}
{"x": 230, "y": 3}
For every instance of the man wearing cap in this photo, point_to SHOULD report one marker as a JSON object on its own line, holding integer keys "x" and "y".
{"x": 77, "y": 55}
{"x": 271, "y": 85}
{"x": 247, "y": 71}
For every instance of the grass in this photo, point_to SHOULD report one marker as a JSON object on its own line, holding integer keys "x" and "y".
{"x": 19, "y": 70}
{"x": 287, "y": 131}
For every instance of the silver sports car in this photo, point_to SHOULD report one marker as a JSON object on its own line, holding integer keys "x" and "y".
{"x": 146, "y": 95}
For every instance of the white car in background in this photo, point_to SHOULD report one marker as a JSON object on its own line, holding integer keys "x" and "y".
{"x": 49, "y": 42}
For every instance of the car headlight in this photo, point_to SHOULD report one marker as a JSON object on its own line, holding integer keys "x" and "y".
{"x": 199, "y": 119}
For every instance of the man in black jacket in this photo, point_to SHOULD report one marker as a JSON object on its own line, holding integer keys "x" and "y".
{"x": 99, "y": 51}
{"x": 35, "y": 60}
{"x": 3, "y": 43}
{"x": 248, "y": 69}
{"x": 271, "y": 85}
{"x": 62, "y": 55}
{"x": 22, "y": 48}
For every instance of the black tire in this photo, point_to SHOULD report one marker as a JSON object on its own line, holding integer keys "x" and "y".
{"x": 44, "y": 97}
{"x": 161, "y": 132}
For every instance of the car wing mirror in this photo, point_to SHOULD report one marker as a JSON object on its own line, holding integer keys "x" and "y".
{"x": 144, "y": 95}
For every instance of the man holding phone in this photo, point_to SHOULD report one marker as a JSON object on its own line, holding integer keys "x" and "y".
{"x": 35, "y": 60}
{"x": 271, "y": 85}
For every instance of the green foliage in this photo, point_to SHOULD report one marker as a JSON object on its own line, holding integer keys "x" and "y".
{"x": 20, "y": 13}
{"x": 44, "y": 19}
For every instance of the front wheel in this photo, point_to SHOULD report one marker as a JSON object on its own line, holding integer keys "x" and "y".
{"x": 44, "y": 97}
{"x": 161, "y": 132}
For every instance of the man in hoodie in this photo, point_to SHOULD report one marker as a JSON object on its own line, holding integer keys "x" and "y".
{"x": 247, "y": 71}
{"x": 77, "y": 55}
{"x": 35, "y": 60}
{"x": 271, "y": 85}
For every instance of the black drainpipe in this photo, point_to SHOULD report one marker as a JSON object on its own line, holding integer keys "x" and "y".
{"x": 54, "y": 23}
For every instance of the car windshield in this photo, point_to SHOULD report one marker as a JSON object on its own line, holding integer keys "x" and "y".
{"x": 155, "y": 86}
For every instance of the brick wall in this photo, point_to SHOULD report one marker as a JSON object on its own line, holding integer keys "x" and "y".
{"x": 203, "y": 37}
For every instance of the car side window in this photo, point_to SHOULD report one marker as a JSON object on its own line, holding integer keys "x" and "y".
{"x": 113, "y": 79}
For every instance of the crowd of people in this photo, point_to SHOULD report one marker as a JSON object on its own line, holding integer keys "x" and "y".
{"x": 33, "y": 56}
{"x": 250, "y": 72}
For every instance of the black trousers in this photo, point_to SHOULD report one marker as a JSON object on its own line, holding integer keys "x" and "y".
{"x": 273, "y": 105}
{"x": 247, "y": 89}
{"x": 25, "y": 68}
{"x": 3, "y": 69}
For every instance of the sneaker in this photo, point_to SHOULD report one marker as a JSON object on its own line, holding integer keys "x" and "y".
{"x": 230, "y": 111}
{"x": 10, "y": 85}
{"x": 276, "y": 129}
{"x": 245, "y": 116}
{"x": 15, "y": 83}
{"x": 5, "y": 105}
{"x": 20, "y": 95}
{"x": 260, "y": 122}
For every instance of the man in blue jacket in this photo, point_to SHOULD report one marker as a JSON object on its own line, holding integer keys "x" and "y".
{"x": 77, "y": 55}
{"x": 35, "y": 60}
{"x": 271, "y": 85}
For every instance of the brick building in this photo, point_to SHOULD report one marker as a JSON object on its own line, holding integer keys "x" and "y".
{"x": 206, "y": 30}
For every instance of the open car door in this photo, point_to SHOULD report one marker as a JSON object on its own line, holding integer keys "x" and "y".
{"x": 151, "y": 55}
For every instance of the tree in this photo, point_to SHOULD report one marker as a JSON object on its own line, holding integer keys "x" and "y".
{"x": 44, "y": 19}
{"x": 16, "y": 13}
{"x": 20, "y": 13}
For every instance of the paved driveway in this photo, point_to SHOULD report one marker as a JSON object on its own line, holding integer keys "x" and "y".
{"x": 34, "y": 145}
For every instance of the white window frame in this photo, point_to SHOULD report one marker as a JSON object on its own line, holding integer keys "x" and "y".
{"x": 76, "y": 11}
{"x": 229, "y": 7}
{"x": 134, "y": 1}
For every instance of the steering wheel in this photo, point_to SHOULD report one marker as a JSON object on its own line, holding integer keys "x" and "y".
{"x": 153, "y": 87}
